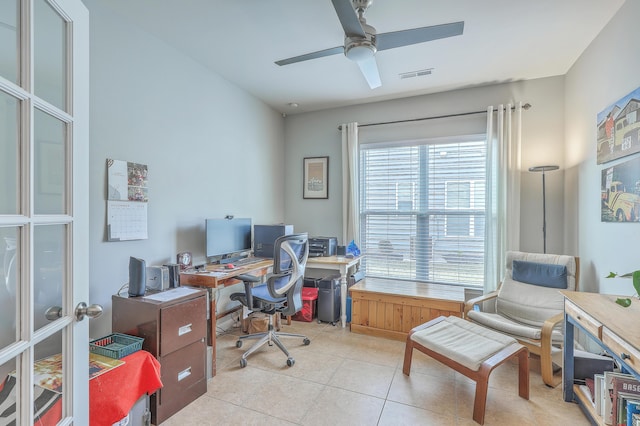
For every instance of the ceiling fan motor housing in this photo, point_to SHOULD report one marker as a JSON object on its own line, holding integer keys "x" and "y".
{"x": 358, "y": 48}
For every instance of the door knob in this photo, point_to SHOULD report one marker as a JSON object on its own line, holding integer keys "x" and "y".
{"x": 53, "y": 313}
{"x": 92, "y": 311}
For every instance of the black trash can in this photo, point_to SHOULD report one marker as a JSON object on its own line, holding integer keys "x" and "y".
{"x": 329, "y": 299}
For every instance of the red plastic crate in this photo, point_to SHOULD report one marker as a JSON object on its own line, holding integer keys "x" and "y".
{"x": 308, "y": 311}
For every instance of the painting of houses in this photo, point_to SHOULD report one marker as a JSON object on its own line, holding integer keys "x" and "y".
{"x": 619, "y": 129}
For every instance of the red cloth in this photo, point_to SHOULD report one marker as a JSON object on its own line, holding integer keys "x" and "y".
{"x": 113, "y": 394}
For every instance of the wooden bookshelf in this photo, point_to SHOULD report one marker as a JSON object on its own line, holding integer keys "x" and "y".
{"x": 587, "y": 406}
{"x": 606, "y": 323}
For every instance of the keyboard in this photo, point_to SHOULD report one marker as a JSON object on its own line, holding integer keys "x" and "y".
{"x": 248, "y": 261}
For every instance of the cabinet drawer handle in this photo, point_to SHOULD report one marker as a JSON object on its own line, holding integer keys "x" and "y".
{"x": 184, "y": 329}
{"x": 625, "y": 356}
{"x": 184, "y": 374}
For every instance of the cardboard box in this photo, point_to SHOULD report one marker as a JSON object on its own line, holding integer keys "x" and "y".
{"x": 258, "y": 322}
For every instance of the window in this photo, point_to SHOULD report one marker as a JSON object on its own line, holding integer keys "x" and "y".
{"x": 422, "y": 210}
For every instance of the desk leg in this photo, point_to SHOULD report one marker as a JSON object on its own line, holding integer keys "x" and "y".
{"x": 213, "y": 335}
{"x": 343, "y": 296}
{"x": 568, "y": 367}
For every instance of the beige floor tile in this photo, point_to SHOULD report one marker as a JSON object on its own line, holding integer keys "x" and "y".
{"x": 285, "y": 397}
{"x": 423, "y": 391}
{"x": 207, "y": 411}
{"x": 342, "y": 407}
{"x": 343, "y": 378}
{"x": 363, "y": 377}
{"x": 396, "y": 414}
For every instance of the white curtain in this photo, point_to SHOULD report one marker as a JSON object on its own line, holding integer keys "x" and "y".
{"x": 502, "y": 226}
{"x": 350, "y": 198}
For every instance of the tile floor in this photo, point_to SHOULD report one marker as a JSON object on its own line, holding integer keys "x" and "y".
{"x": 344, "y": 378}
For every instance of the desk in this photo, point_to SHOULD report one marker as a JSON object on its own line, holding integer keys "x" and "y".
{"x": 341, "y": 264}
{"x": 216, "y": 276}
{"x": 611, "y": 326}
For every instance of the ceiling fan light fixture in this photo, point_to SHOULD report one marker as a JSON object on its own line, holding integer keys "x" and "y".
{"x": 360, "y": 51}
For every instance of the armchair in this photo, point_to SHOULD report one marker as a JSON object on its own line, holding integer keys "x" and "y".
{"x": 281, "y": 293}
{"x": 529, "y": 307}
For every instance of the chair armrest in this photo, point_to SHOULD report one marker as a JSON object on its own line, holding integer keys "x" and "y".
{"x": 468, "y": 305}
{"x": 549, "y": 325}
{"x": 248, "y": 278}
{"x": 248, "y": 281}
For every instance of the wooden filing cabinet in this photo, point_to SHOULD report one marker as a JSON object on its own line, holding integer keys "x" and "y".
{"x": 174, "y": 327}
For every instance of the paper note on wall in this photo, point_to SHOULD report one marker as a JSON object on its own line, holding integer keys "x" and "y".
{"x": 126, "y": 220}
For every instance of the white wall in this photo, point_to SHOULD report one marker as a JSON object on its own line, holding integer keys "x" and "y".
{"x": 316, "y": 134}
{"x": 605, "y": 72}
{"x": 211, "y": 150}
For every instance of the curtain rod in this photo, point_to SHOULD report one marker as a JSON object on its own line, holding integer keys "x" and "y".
{"x": 525, "y": 107}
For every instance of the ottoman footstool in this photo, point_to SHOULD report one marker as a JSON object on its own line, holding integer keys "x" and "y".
{"x": 471, "y": 350}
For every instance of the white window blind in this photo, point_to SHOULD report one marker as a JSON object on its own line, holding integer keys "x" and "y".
{"x": 423, "y": 210}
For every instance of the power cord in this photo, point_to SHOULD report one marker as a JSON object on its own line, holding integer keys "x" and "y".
{"x": 125, "y": 285}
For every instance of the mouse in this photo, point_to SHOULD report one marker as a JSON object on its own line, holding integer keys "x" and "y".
{"x": 229, "y": 266}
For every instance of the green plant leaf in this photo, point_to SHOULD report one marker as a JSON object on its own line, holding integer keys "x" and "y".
{"x": 611, "y": 275}
{"x": 636, "y": 281}
{"x": 623, "y": 302}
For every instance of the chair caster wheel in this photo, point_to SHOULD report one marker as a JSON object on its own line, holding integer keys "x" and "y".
{"x": 243, "y": 363}
{"x": 306, "y": 342}
{"x": 290, "y": 362}
{"x": 239, "y": 344}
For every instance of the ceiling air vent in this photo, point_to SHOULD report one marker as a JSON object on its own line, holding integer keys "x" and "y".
{"x": 418, "y": 73}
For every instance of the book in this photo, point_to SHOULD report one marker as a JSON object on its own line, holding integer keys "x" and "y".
{"x": 623, "y": 386}
{"x": 633, "y": 407}
{"x": 598, "y": 384}
{"x": 621, "y": 414}
{"x": 608, "y": 395}
{"x": 587, "y": 393}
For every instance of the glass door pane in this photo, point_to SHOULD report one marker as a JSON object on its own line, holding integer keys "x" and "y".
{"x": 9, "y": 153}
{"x": 50, "y": 55}
{"x": 50, "y": 173}
{"x": 9, "y": 301}
{"x": 47, "y": 380}
{"x": 9, "y": 47}
{"x": 49, "y": 272}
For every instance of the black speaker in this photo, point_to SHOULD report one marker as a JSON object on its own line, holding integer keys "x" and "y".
{"x": 137, "y": 277}
{"x": 341, "y": 250}
{"x": 174, "y": 275}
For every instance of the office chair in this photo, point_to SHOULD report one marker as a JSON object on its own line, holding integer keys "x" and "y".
{"x": 281, "y": 293}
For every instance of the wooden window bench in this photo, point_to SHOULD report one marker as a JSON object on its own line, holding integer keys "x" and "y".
{"x": 390, "y": 309}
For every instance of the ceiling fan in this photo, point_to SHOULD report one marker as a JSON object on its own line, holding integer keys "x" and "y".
{"x": 361, "y": 42}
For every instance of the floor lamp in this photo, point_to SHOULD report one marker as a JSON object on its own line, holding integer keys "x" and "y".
{"x": 544, "y": 169}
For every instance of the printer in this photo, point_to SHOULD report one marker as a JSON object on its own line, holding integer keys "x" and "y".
{"x": 322, "y": 246}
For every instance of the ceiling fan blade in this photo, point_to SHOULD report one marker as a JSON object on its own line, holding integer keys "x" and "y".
{"x": 369, "y": 69}
{"x": 312, "y": 55}
{"x": 418, "y": 35}
{"x": 348, "y": 18}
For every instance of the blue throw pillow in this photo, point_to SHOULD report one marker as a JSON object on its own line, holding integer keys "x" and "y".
{"x": 542, "y": 274}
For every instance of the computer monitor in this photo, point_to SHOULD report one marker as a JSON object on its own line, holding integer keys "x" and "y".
{"x": 227, "y": 237}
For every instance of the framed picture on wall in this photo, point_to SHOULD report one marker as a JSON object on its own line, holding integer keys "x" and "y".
{"x": 315, "y": 178}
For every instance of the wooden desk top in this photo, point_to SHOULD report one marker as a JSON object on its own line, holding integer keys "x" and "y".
{"x": 410, "y": 289}
{"x": 332, "y": 260}
{"x": 219, "y": 276}
{"x": 603, "y": 307}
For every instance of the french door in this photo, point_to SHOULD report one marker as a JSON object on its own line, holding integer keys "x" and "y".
{"x": 44, "y": 137}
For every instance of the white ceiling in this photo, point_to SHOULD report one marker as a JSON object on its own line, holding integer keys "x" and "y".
{"x": 503, "y": 40}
